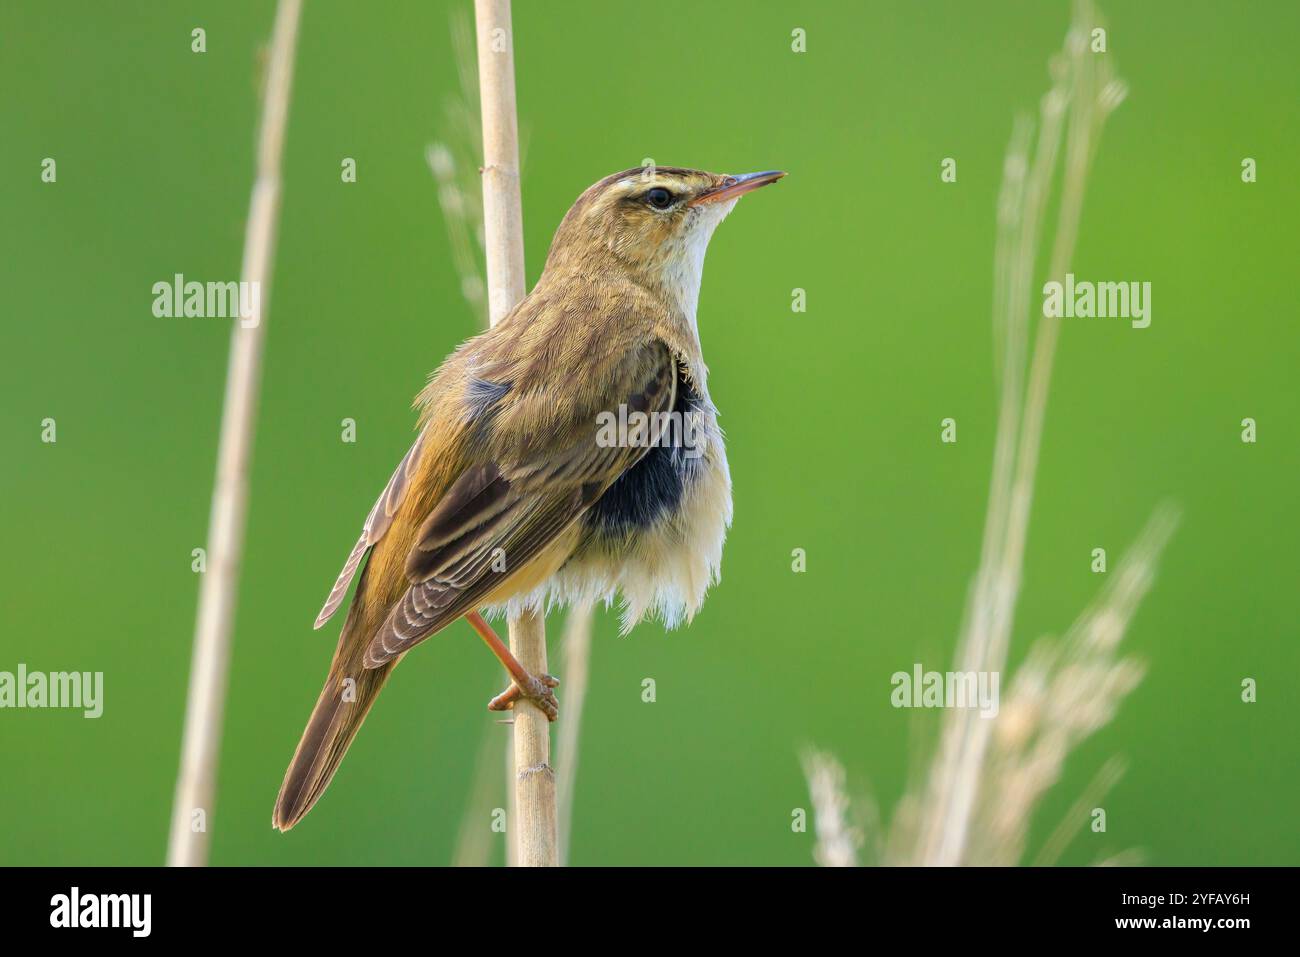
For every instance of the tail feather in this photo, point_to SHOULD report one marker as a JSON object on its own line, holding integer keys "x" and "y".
{"x": 349, "y": 691}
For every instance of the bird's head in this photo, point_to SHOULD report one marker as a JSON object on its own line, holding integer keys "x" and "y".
{"x": 653, "y": 221}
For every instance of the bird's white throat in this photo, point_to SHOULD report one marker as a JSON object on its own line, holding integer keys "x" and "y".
{"x": 684, "y": 269}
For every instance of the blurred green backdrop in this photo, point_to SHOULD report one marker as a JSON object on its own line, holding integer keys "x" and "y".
{"x": 832, "y": 415}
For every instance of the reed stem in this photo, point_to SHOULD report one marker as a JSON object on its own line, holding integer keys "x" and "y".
{"x": 534, "y": 823}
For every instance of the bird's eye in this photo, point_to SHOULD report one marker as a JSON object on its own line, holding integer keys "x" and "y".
{"x": 659, "y": 198}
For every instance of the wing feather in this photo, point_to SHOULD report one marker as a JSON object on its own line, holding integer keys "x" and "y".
{"x": 376, "y": 524}
{"x": 514, "y": 510}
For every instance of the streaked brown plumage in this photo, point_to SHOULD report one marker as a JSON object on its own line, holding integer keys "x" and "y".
{"x": 509, "y": 498}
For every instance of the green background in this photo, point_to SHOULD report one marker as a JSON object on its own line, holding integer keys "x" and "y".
{"x": 832, "y": 415}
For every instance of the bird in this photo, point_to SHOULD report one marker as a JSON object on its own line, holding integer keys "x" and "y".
{"x": 570, "y": 453}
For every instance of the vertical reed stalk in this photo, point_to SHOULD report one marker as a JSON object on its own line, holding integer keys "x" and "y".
{"x": 205, "y": 705}
{"x": 535, "y": 815}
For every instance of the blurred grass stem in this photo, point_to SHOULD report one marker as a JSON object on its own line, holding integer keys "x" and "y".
{"x": 205, "y": 705}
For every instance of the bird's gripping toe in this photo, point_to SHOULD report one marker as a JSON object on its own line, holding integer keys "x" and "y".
{"x": 536, "y": 689}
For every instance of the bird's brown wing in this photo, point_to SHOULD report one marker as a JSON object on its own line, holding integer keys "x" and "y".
{"x": 500, "y": 514}
{"x": 376, "y": 524}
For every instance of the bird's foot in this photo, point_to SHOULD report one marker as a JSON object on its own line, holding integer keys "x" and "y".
{"x": 538, "y": 690}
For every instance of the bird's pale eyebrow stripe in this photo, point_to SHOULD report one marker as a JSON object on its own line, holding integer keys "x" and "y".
{"x": 634, "y": 183}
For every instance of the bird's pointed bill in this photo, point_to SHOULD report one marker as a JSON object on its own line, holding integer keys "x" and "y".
{"x": 733, "y": 186}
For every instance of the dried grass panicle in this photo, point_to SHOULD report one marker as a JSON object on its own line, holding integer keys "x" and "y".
{"x": 988, "y": 774}
{"x": 838, "y": 841}
{"x": 453, "y": 160}
{"x": 1065, "y": 691}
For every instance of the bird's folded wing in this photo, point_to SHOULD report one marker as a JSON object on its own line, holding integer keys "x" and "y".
{"x": 500, "y": 514}
{"x": 377, "y": 522}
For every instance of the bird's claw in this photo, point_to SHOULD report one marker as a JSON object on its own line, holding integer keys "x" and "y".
{"x": 538, "y": 691}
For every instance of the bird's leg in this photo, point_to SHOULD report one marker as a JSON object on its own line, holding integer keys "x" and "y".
{"x": 536, "y": 688}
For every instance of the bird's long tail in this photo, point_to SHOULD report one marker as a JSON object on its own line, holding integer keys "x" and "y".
{"x": 349, "y": 692}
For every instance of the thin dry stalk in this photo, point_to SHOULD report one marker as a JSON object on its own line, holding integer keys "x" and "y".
{"x": 576, "y": 660}
{"x": 474, "y": 845}
{"x": 205, "y": 705}
{"x": 535, "y": 817}
{"x": 1068, "y": 828}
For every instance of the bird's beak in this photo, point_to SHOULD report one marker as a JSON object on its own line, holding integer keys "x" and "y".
{"x": 734, "y": 186}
